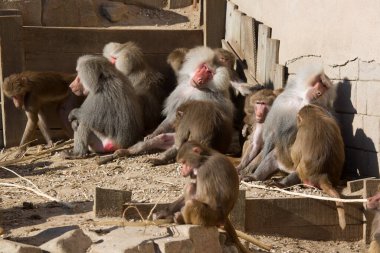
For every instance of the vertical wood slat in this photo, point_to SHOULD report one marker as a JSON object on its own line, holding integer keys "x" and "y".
{"x": 229, "y": 26}
{"x": 236, "y": 35}
{"x": 279, "y": 76}
{"x": 271, "y": 59}
{"x": 214, "y": 22}
{"x": 249, "y": 43}
{"x": 12, "y": 61}
{"x": 263, "y": 35}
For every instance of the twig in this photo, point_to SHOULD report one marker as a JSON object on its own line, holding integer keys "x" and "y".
{"x": 31, "y": 157}
{"x": 306, "y": 195}
{"x": 27, "y": 180}
{"x": 154, "y": 207}
{"x": 38, "y": 192}
{"x": 163, "y": 182}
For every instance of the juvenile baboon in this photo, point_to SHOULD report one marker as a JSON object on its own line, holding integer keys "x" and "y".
{"x": 33, "y": 92}
{"x": 201, "y": 121}
{"x": 209, "y": 201}
{"x": 256, "y": 109}
{"x": 373, "y": 204}
{"x": 110, "y": 117}
{"x": 318, "y": 152}
{"x": 176, "y": 58}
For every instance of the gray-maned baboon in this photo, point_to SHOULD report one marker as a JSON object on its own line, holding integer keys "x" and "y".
{"x": 149, "y": 84}
{"x": 110, "y": 117}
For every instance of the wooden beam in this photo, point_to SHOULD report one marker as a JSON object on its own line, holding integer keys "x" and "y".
{"x": 11, "y": 61}
{"x": 279, "y": 78}
{"x": 302, "y": 218}
{"x": 229, "y": 26}
{"x": 237, "y": 214}
{"x": 214, "y": 22}
{"x": 109, "y": 202}
{"x": 271, "y": 59}
{"x": 263, "y": 35}
{"x": 235, "y": 41}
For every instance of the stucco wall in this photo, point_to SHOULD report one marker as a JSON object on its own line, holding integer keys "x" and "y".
{"x": 345, "y": 36}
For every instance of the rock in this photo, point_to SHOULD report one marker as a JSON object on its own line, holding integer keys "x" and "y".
{"x": 72, "y": 241}
{"x": 7, "y": 246}
{"x": 113, "y": 11}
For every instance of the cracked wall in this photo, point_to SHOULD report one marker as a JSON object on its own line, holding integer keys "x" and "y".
{"x": 343, "y": 36}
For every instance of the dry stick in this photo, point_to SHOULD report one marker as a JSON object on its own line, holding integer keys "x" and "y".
{"x": 38, "y": 192}
{"x": 26, "y": 158}
{"x": 251, "y": 239}
{"x": 306, "y": 195}
{"x": 105, "y": 159}
{"x": 154, "y": 207}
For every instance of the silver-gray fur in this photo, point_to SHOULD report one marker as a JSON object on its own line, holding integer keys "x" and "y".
{"x": 111, "y": 107}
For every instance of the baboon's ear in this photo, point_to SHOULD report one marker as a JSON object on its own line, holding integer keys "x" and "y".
{"x": 197, "y": 150}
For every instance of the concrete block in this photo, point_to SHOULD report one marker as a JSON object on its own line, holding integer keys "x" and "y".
{"x": 178, "y": 245}
{"x": 72, "y": 241}
{"x": 131, "y": 240}
{"x": 369, "y": 71}
{"x": 350, "y": 71}
{"x": 363, "y": 163}
{"x": 346, "y": 97}
{"x": 109, "y": 202}
{"x": 361, "y": 97}
{"x": 333, "y": 72}
{"x": 371, "y": 141}
{"x": 373, "y": 95}
{"x": 374, "y": 164}
{"x": 7, "y": 246}
{"x": 301, "y": 62}
{"x": 202, "y": 237}
{"x": 352, "y": 129}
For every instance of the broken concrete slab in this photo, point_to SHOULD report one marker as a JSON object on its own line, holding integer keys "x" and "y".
{"x": 7, "y": 246}
{"x": 72, "y": 241}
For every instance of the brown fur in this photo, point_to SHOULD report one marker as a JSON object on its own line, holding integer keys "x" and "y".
{"x": 212, "y": 198}
{"x": 176, "y": 58}
{"x": 33, "y": 91}
{"x": 318, "y": 152}
{"x": 373, "y": 204}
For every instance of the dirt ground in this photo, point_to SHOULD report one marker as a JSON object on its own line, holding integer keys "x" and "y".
{"x": 74, "y": 181}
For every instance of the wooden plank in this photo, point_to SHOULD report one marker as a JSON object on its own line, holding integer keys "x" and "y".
{"x": 271, "y": 59}
{"x": 263, "y": 35}
{"x": 237, "y": 214}
{"x": 66, "y": 62}
{"x": 355, "y": 185}
{"x": 229, "y": 27}
{"x": 249, "y": 43}
{"x": 11, "y": 61}
{"x": 214, "y": 22}
{"x": 279, "y": 78}
{"x": 92, "y": 40}
{"x": 301, "y": 217}
{"x": 236, "y": 35}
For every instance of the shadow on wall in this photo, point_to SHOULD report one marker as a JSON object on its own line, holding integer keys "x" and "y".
{"x": 361, "y": 158}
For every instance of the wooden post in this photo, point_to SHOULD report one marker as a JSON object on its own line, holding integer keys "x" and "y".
{"x": 12, "y": 61}
{"x": 271, "y": 59}
{"x": 237, "y": 214}
{"x": 279, "y": 76}
{"x": 214, "y": 22}
{"x": 263, "y": 35}
{"x": 249, "y": 43}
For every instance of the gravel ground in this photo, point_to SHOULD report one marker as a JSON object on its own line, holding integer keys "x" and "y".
{"x": 74, "y": 181}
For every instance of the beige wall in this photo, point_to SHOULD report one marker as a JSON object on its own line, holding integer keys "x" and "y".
{"x": 338, "y": 30}
{"x": 345, "y": 36}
